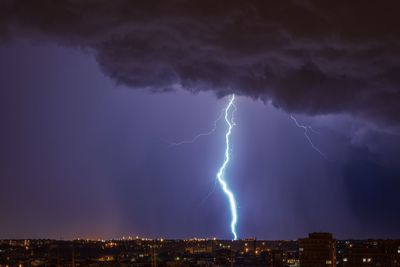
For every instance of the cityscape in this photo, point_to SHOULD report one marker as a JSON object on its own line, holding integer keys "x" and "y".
{"x": 316, "y": 250}
{"x": 221, "y": 132}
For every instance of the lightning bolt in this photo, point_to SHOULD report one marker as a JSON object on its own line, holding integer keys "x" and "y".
{"x": 228, "y": 114}
{"x": 194, "y": 139}
{"x": 221, "y": 172}
{"x": 306, "y": 129}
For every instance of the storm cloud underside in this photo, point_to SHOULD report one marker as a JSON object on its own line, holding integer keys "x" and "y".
{"x": 307, "y": 57}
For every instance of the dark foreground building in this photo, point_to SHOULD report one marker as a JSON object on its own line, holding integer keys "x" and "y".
{"x": 371, "y": 253}
{"x": 318, "y": 250}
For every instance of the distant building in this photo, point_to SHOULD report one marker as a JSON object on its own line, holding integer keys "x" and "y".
{"x": 367, "y": 257}
{"x": 199, "y": 248}
{"x": 318, "y": 250}
{"x": 382, "y": 253}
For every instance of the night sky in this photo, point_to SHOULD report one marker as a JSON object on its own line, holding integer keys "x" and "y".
{"x": 92, "y": 93}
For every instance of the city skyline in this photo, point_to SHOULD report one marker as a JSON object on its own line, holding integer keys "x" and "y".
{"x": 317, "y": 249}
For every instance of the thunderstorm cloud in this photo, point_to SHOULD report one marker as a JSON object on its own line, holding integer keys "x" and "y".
{"x": 312, "y": 57}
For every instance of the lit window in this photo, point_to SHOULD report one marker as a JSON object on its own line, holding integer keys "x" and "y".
{"x": 344, "y": 259}
{"x": 328, "y": 262}
{"x": 364, "y": 260}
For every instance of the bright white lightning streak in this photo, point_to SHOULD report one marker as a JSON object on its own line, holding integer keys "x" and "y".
{"x": 221, "y": 172}
{"x": 194, "y": 139}
{"x": 306, "y": 128}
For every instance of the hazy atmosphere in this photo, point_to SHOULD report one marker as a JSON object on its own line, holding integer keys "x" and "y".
{"x": 95, "y": 96}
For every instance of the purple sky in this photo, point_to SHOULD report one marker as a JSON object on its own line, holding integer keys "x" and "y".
{"x": 88, "y": 115}
{"x": 82, "y": 157}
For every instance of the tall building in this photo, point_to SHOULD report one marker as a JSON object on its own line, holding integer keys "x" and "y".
{"x": 318, "y": 250}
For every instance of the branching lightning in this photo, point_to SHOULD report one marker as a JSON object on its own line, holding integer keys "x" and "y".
{"x": 221, "y": 172}
{"x": 306, "y": 129}
{"x": 195, "y": 138}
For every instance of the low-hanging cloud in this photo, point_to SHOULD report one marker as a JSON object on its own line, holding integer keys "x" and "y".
{"x": 313, "y": 57}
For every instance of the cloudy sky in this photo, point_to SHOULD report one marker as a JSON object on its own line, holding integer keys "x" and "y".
{"x": 92, "y": 94}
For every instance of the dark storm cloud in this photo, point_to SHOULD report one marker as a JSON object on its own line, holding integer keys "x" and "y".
{"x": 313, "y": 57}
